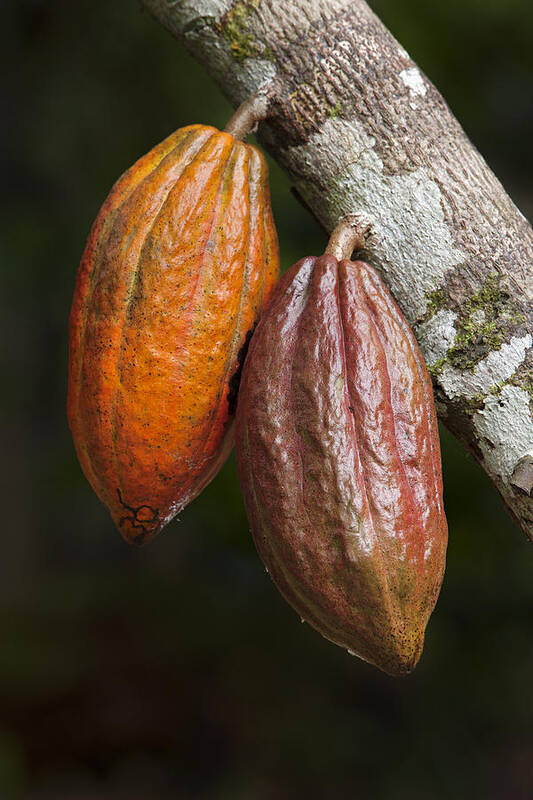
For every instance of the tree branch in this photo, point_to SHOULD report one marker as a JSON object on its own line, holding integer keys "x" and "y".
{"x": 362, "y": 131}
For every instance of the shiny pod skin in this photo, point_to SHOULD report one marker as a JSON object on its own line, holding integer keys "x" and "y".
{"x": 339, "y": 461}
{"x": 176, "y": 271}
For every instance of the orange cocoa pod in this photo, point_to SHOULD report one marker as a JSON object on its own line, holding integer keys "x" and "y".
{"x": 177, "y": 268}
{"x": 339, "y": 461}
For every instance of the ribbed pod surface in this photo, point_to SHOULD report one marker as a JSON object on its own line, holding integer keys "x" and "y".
{"x": 176, "y": 271}
{"x": 339, "y": 461}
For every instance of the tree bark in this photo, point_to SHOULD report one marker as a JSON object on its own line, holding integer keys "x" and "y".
{"x": 362, "y": 131}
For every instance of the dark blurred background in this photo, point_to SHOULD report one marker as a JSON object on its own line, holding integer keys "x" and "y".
{"x": 177, "y": 671}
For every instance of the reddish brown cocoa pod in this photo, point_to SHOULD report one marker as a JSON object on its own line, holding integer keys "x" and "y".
{"x": 339, "y": 461}
{"x": 177, "y": 268}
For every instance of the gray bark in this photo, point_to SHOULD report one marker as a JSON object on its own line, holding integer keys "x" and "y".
{"x": 362, "y": 131}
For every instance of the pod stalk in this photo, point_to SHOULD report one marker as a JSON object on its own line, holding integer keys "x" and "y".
{"x": 349, "y": 235}
{"x": 248, "y": 115}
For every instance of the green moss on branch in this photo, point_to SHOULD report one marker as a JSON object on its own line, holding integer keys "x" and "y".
{"x": 234, "y": 26}
{"x": 483, "y": 325}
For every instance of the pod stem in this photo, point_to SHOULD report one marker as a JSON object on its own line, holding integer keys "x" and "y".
{"x": 349, "y": 235}
{"x": 245, "y": 120}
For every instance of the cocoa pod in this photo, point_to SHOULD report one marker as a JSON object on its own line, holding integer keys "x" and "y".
{"x": 339, "y": 461}
{"x": 175, "y": 273}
